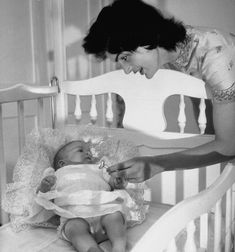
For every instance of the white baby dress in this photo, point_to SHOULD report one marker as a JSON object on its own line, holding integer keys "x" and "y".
{"x": 81, "y": 191}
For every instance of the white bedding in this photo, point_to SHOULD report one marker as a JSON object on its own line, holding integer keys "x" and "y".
{"x": 46, "y": 240}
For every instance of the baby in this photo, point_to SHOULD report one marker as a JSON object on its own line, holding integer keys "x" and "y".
{"x": 81, "y": 193}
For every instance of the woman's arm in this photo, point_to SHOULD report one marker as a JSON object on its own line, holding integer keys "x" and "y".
{"x": 219, "y": 150}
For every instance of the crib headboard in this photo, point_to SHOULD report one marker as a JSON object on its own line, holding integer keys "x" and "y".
{"x": 142, "y": 97}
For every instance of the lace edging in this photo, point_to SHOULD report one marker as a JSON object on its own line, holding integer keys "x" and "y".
{"x": 225, "y": 95}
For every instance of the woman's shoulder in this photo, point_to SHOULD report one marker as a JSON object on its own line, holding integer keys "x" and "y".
{"x": 210, "y": 53}
{"x": 216, "y": 50}
{"x": 209, "y": 37}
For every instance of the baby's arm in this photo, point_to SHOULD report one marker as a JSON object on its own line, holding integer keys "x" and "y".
{"x": 114, "y": 182}
{"x": 46, "y": 184}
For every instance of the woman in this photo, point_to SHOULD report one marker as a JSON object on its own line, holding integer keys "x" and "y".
{"x": 140, "y": 39}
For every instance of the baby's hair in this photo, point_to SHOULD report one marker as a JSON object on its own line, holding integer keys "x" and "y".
{"x": 60, "y": 154}
{"x": 126, "y": 25}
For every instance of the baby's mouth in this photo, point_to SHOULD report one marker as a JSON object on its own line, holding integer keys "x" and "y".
{"x": 91, "y": 160}
{"x": 88, "y": 160}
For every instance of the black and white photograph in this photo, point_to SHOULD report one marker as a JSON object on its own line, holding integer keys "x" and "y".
{"x": 117, "y": 125}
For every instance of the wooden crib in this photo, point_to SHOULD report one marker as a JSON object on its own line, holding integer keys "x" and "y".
{"x": 189, "y": 210}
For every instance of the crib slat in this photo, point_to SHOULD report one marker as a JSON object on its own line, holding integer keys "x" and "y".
{"x": 3, "y": 175}
{"x": 93, "y": 111}
{"x": 191, "y": 182}
{"x": 21, "y": 127}
{"x": 40, "y": 118}
{"x": 181, "y": 116}
{"x": 202, "y": 116}
{"x": 53, "y": 116}
{"x": 233, "y": 214}
{"x": 190, "y": 242}
{"x": 204, "y": 231}
{"x": 109, "y": 111}
{"x": 172, "y": 246}
{"x": 78, "y": 112}
{"x": 228, "y": 221}
{"x": 218, "y": 226}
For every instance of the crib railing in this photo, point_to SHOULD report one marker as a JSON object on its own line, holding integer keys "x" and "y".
{"x": 18, "y": 95}
{"x": 111, "y": 108}
{"x": 107, "y": 102}
{"x": 190, "y": 211}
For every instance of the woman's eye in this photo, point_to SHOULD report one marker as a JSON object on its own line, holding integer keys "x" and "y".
{"x": 124, "y": 58}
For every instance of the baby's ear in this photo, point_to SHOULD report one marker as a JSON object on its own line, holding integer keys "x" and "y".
{"x": 61, "y": 163}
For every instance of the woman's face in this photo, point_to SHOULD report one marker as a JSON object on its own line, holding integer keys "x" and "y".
{"x": 142, "y": 60}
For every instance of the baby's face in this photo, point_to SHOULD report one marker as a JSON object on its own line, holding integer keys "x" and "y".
{"x": 79, "y": 152}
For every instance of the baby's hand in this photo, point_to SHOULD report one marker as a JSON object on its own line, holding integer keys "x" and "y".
{"x": 118, "y": 183}
{"x": 47, "y": 183}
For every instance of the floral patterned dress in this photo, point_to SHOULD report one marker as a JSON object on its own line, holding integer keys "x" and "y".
{"x": 209, "y": 54}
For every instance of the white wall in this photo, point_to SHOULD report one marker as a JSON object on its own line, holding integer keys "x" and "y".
{"x": 23, "y": 59}
{"x": 212, "y": 13}
{"x": 22, "y": 44}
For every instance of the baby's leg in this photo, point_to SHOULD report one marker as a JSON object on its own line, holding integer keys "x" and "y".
{"x": 78, "y": 232}
{"x": 115, "y": 227}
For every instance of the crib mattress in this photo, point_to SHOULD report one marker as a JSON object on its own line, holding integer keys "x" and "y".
{"x": 46, "y": 240}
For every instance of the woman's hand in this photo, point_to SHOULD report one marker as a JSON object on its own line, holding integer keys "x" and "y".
{"x": 135, "y": 170}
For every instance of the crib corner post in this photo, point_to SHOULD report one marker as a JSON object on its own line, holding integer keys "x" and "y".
{"x": 61, "y": 110}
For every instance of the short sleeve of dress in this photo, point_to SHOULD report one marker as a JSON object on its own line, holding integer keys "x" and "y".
{"x": 218, "y": 71}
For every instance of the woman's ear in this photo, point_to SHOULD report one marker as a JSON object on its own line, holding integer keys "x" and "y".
{"x": 142, "y": 49}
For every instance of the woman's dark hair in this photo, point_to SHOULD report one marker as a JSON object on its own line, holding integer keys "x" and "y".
{"x": 125, "y": 25}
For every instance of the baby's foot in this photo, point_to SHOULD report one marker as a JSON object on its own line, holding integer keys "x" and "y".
{"x": 119, "y": 249}
{"x": 47, "y": 183}
{"x": 95, "y": 250}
